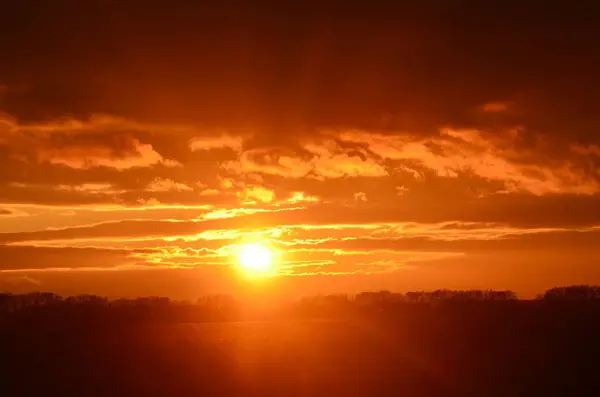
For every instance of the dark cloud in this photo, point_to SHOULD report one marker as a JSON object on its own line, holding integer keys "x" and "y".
{"x": 425, "y": 64}
{"x": 100, "y": 141}
{"x": 18, "y": 258}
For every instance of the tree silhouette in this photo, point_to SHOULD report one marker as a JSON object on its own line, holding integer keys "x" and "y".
{"x": 573, "y": 293}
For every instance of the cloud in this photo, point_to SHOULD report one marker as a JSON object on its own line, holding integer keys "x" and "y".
{"x": 401, "y": 190}
{"x": 322, "y": 160}
{"x": 310, "y": 246}
{"x": 295, "y": 225}
{"x": 167, "y": 185}
{"x": 257, "y": 194}
{"x": 411, "y": 171}
{"x": 495, "y": 107}
{"x": 222, "y": 141}
{"x": 360, "y": 196}
{"x": 91, "y": 188}
{"x": 268, "y": 162}
{"x": 591, "y": 150}
{"x": 100, "y": 141}
{"x": 360, "y": 262}
{"x": 19, "y": 258}
{"x": 301, "y": 197}
{"x": 210, "y": 192}
{"x": 235, "y": 212}
{"x": 332, "y": 161}
{"x": 32, "y": 194}
{"x": 493, "y": 157}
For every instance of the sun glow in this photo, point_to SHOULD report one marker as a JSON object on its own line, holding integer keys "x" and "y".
{"x": 256, "y": 259}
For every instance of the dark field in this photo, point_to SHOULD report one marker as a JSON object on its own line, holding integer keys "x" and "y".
{"x": 301, "y": 358}
{"x": 440, "y": 343}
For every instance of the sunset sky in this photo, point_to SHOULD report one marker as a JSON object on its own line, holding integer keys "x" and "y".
{"x": 393, "y": 147}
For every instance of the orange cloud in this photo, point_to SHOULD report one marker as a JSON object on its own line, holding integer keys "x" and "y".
{"x": 209, "y": 192}
{"x": 257, "y": 194}
{"x": 222, "y": 141}
{"x": 167, "y": 185}
{"x": 141, "y": 155}
{"x": 331, "y": 161}
{"x": 91, "y": 188}
{"x": 233, "y": 212}
{"x": 401, "y": 190}
{"x": 301, "y": 197}
{"x": 264, "y": 162}
{"x": 495, "y": 158}
{"x": 360, "y": 196}
{"x": 100, "y": 141}
{"x": 495, "y": 107}
{"x": 358, "y": 262}
{"x": 325, "y": 160}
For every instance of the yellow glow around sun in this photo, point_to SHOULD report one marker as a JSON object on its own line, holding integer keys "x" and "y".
{"x": 256, "y": 259}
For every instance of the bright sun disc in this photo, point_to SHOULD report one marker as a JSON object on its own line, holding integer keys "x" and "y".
{"x": 256, "y": 259}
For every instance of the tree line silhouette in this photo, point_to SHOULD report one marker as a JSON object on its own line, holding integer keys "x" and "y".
{"x": 53, "y": 307}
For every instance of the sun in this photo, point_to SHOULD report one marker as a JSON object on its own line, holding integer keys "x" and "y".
{"x": 256, "y": 259}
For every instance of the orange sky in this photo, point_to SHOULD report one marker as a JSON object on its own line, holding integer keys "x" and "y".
{"x": 376, "y": 149}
